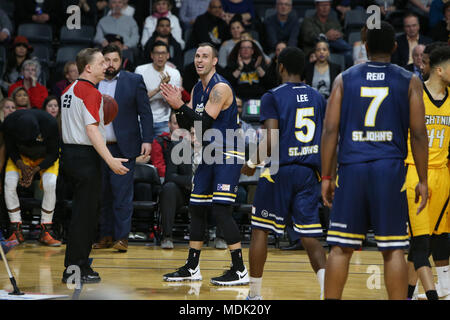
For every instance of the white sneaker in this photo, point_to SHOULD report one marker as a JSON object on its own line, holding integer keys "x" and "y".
{"x": 184, "y": 274}
{"x": 167, "y": 244}
{"x": 220, "y": 243}
{"x": 232, "y": 277}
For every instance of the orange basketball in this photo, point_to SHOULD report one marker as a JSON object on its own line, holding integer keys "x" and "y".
{"x": 110, "y": 109}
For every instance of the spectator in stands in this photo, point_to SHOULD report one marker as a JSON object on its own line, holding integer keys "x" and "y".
{"x": 127, "y": 54}
{"x": 70, "y": 75}
{"x": 88, "y": 10}
{"x": 6, "y": 27}
{"x": 154, "y": 74}
{"x": 39, "y": 11}
{"x": 407, "y": 41}
{"x": 421, "y": 8}
{"x": 283, "y": 25}
{"x": 7, "y": 106}
{"x": 51, "y": 105}
{"x": 21, "y": 51}
{"x": 210, "y": 27}
{"x": 163, "y": 33}
{"x": 359, "y": 48}
{"x": 161, "y": 8}
{"x": 117, "y": 23}
{"x": 177, "y": 186}
{"x": 323, "y": 23}
{"x": 21, "y": 98}
{"x": 440, "y": 31}
{"x": 322, "y": 73}
{"x": 236, "y": 30}
{"x": 31, "y": 70}
{"x": 416, "y": 66}
{"x": 243, "y": 7}
{"x": 272, "y": 76}
{"x": 246, "y": 70}
{"x": 127, "y": 9}
{"x": 190, "y": 10}
{"x": 32, "y": 142}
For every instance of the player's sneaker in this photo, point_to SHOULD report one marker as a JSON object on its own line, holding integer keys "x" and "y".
{"x": 46, "y": 237}
{"x": 16, "y": 232}
{"x": 253, "y": 298}
{"x": 232, "y": 277}
{"x": 184, "y": 274}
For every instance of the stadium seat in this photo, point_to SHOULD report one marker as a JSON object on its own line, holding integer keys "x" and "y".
{"x": 354, "y": 20}
{"x": 64, "y": 54}
{"x": 83, "y": 36}
{"x": 36, "y": 32}
{"x": 354, "y": 37}
{"x": 147, "y": 186}
{"x": 189, "y": 56}
{"x": 8, "y": 7}
{"x": 337, "y": 59}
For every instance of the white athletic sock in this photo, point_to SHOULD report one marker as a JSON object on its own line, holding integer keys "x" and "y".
{"x": 255, "y": 287}
{"x": 443, "y": 277}
{"x": 15, "y": 216}
{"x": 321, "y": 279}
{"x": 46, "y": 217}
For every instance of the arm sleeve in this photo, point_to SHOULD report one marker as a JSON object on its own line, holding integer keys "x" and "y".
{"x": 10, "y": 142}
{"x": 268, "y": 108}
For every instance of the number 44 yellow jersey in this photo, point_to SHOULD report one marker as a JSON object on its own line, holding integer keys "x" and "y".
{"x": 437, "y": 119}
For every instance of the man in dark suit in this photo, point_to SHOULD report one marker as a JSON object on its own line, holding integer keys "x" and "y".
{"x": 407, "y": 41}
{"x": 416, "y": 66}
{"x": 128, "y": 137}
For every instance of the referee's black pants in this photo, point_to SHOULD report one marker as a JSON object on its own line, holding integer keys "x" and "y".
{"x": 82, "y": 167}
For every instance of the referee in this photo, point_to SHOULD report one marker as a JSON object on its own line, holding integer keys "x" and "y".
{"x": 84, "y": 145}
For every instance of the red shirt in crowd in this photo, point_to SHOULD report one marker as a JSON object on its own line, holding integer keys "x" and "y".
{"x": 37, "y": 94}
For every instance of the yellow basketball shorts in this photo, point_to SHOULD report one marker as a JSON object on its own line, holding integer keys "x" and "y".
{"x": 433, "y": 219}
{"x": 11, "y": 166}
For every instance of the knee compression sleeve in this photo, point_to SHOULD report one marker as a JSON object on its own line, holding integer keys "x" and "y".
{"x": 11, "y": 197}
{"x": 49, "y": 184}
{"x": 198, "y": 222}
{"x": 225, "y": 221}
{"x": 440, "y": 247}
{"x": 420, "y": 251}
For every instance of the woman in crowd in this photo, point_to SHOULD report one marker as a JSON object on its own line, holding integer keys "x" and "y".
{"x": 37, "y": 93}
{"x": 161, "y": 8}
{"x": 70, "y": 75}
{"x": 359, "y": 48}
{"x": 7, "y": 106}
{"x": 322, "y": 73}
{"x": 21, "y": 98}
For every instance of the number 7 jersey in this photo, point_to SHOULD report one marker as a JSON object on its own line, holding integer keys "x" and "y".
{"x": 437, "y": 120}
{"x": 374, "y": 119}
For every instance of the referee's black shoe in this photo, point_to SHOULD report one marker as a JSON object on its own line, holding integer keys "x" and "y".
{"x": 87, "y": 276}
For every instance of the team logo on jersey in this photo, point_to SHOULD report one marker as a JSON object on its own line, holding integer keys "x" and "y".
{"x": 199, "y": 108}
{"x": 223, "y": 187}
{"x": 264, "y": 213}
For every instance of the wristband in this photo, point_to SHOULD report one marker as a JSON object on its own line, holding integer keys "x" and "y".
{"x": 326, "y": 177}
{"x": 250, "y": 164}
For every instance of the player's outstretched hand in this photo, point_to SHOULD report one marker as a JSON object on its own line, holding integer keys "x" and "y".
{"x": 328, "y": 192}
{"x": 172, "y": 95}
{"x": 246, "y": 170}
{"x": 117, "y": 167}
{"x": 422, "y": 192}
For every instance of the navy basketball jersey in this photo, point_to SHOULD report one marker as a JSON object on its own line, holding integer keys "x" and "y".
{"x": 226, "y": 120}
{"x": 300, "y": 111}
{"x": 375, "y": 113}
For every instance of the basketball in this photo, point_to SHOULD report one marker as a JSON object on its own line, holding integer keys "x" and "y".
{"x": 110, "y": 109}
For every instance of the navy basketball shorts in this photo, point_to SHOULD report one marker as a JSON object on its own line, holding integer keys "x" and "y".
{"x": 215, "y": 183}
{"x": 293, "y": 192}
{"x": 370, "y": 194}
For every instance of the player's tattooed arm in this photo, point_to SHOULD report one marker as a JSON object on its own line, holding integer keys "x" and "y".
{"x": 220, "y": 97}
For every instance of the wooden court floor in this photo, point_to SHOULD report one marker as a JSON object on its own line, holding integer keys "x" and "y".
{"x": 137, "y": 274}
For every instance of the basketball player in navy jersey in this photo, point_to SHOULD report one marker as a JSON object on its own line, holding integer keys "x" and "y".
{"x": 370, "y": 109}
{"x": 297, "y": 111}
{"x": 213, "y": 104}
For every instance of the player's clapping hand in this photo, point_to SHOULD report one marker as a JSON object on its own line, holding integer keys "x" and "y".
{"x": 172, "y": 95}
{"x": 328, "y": 187}
{"x": 246, "y": 170}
